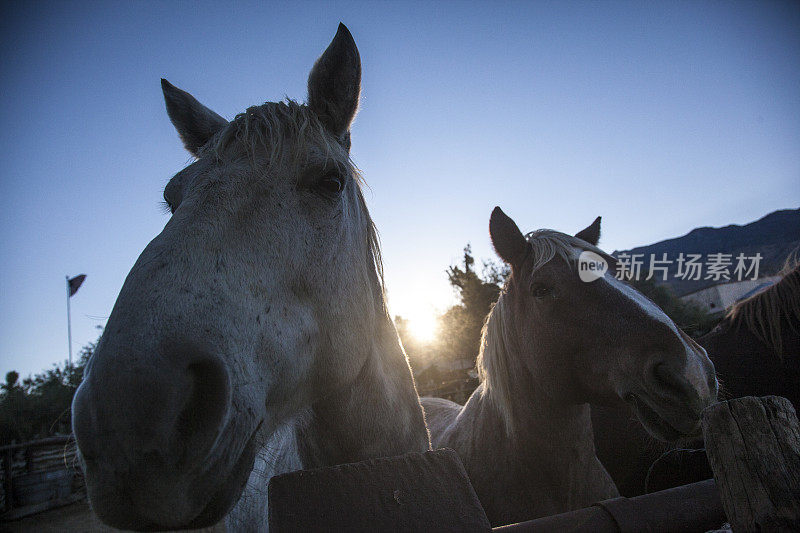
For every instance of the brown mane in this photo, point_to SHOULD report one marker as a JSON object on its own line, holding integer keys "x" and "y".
{"x": 762, "y": 313}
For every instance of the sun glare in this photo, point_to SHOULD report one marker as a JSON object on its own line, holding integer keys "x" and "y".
{"x": 422, "y": 326}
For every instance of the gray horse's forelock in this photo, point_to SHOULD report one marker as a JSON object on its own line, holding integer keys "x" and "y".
{"x": 494, "y": 362}
{"x": 548, "y": 243}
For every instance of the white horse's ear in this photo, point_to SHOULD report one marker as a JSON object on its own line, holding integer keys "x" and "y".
{"x": 507, "y": 239}
{"x": 591, "y": 234}
{"x": 196, "y": 123}
{"x": 334, "y": 84}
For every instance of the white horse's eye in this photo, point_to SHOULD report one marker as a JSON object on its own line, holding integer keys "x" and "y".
{"x": 331, "y": 184}
{"x": 168, "y": 203}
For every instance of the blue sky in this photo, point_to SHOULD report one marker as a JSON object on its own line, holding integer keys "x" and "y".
{"x": 660, "y": 116}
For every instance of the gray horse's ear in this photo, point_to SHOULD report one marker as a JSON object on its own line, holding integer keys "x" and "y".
{"x": 196, "y": 123}
{"x": 591, "y": 234}
{"x": 507, "y": 239}
{"x": 334, "y": 84}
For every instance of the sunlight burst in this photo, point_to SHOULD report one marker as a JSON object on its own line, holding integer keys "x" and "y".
{"x": 423, "y": 326}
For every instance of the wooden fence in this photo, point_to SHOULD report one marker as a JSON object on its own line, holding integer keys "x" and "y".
{"x": 753, "y": 445}
{"x": 455, "y": 390}
{"x": 33, "y": 466}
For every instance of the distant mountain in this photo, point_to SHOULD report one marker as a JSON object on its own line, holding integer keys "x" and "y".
{"x": 775, "y": 237}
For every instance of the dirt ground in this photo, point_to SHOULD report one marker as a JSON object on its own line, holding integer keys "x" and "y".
{"x": 75, "y": 517}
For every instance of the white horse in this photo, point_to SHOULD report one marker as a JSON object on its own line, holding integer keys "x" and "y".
{"x": 251, "y": 336}
{"x": 551, "y": 344}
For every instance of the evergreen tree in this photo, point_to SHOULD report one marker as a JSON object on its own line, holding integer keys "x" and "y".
{"x": 460, "y": 326}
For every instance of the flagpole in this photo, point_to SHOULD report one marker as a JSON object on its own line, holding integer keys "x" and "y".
{"x": 69, "y": 326}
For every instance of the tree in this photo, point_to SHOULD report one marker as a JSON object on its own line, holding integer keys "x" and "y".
{"x": 40, "y": 406}
{"x": 12, "y": 409}
{"x": 460, "y": 326}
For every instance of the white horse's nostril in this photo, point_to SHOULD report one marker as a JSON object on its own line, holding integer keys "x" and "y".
{"x": 207, "y": 399}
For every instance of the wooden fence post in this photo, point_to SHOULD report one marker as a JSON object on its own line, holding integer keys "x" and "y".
{"x": 753, "y": 445}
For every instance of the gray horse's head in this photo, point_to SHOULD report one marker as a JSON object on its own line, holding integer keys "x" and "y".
{"x": 237, "y": 314}
{"x": 588, "y": 339}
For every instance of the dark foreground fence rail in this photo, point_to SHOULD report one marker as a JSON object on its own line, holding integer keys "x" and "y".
{"x": 695, "y": 507}
{"x": 753, "y": 445}
{"x": 39, "y": 475}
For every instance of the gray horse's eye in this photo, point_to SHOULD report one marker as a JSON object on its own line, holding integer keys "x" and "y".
{"x": 540, "y": 291}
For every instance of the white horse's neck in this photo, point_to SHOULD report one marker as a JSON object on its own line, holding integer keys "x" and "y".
{"x": 376, "y": 415}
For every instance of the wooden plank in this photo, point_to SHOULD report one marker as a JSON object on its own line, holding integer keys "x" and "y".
{"x": 60, "y": 439}
{"x": 690, "y": 508}
{"x": 753, "y": 445}
{"x": 414, "y": 492}
{"x": 43, "y": 455}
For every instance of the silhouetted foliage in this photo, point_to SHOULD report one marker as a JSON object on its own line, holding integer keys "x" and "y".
{"x": 39, "y": 406}
{"x": 460, "y": 326}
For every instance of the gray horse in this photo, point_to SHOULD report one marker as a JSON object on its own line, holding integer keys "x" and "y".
{"x": 552, "y": 343}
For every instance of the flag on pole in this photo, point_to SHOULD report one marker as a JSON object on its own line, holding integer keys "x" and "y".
{"x": 75, "y": 283}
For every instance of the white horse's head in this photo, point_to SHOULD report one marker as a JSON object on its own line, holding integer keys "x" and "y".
{"x": 237, "y": 314}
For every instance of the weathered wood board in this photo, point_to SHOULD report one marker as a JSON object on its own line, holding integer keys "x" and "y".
{"x": 753, "y": 445}
{"x": 414, "y": 492}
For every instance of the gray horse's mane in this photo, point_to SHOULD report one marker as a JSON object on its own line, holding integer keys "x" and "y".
{"x": 763, "y": 312}
{"x": 493, "y": 364}
{"x": 498, "y": 339}
{"x": 267, "y": 128}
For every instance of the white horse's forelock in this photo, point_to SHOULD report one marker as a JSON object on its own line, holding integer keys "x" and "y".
{"x": 269, "y": 127}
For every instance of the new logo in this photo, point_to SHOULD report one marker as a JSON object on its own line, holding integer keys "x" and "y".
{"x": 591, "y": 266}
